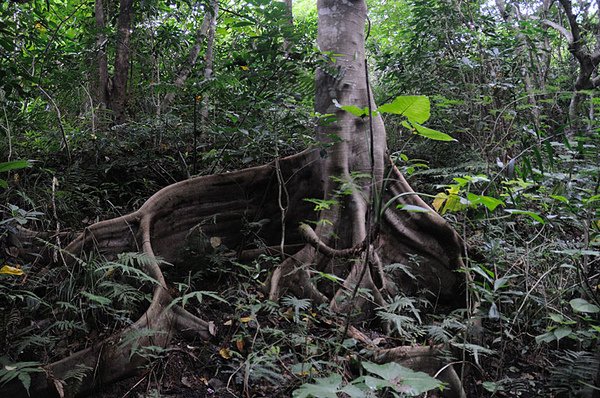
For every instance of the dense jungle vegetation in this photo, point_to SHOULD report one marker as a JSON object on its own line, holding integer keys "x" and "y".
{"x": 259, "y": 274}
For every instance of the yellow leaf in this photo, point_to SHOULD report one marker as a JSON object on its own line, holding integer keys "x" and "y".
{"x": 244, "y": 67}
{"x": 245, "y": 319}
{"x": 439, "y": 200}
{"x": 8, "y": 270}
{"x": 224, "y": 352}
{"x": 453, "y": 190}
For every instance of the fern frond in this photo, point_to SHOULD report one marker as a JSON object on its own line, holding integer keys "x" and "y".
{"x": 129, "y": 271}
{"x": 573, "y": 372}
{"x": 438, "y": 334}
{"x": 400, "y": 267}
{"x": 79, "y": 372}
{"x": 405, "y": 326}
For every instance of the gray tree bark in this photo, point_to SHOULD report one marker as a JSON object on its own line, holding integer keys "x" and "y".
{"x": 118, "y": 98}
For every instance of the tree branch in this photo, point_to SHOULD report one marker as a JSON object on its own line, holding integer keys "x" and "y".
{"x": 575, "y": 45}
{"x": 561, "y": 29}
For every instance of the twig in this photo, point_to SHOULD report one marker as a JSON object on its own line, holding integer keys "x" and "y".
{"x": 60, "y": 125}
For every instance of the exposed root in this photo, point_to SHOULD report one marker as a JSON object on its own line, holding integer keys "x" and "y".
{"x": 240, "y": 208}
{"x": 311, "y": 238}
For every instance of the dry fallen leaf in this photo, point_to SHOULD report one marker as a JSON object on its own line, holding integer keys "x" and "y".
{"x": 245, "y": 319}
{"x": 186, "y": 382}
{"x": 215, "y": 242}
{"x": 225, "y": 353}
{"x": 240, "y": 344}
{"x": 212, "y": 329}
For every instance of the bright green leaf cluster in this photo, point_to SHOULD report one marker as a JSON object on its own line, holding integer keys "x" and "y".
{"x": 415, "y": 108}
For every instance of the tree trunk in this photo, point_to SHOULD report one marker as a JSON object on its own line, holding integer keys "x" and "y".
{"x": 208, "y": 61}
{"x": 588, "y": 61}
{"x": 183, "y": 73}
{"x": 358, "y": 160}
{"x": 101, "y": 58}
{"x": 354, "y": 238}
{"x": 123, "y": 52}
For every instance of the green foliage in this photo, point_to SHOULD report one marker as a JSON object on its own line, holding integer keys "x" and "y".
{"x": 416, "y": 110}
{"x": 13, "y": 165}
{"x": 389, "y": 376}
{"x": 19, "y": 370}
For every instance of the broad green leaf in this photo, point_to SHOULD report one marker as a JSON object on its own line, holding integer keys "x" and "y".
{"x": 355, "y": 110}
{"x": 413, "y": 208}
{"x": 545, "y": 338}
{"x": 331, "y": 277}
{"x": 14, "y": 165}
{"x": 327, "y": 387}
{"x": 375, "y": 383}
{"x": 353, "y": 391}
{"x": 560, "y": 198}
{"x": 405, "y": 380}
{"x": 415, "y": 108}
{"x": 561, "y": 332}
{"x": 453, "y": 203}
{"x": 3, "y": 183}
{"x": 489, "y": 202}
{"x": 492, "y": 386}
{"x": 531, "y": 214}
{"x": 582, "y": 305}
{"x": 557, "y": 317}
{"x": 594, "y": 198}
{"x": 431, "y": 133}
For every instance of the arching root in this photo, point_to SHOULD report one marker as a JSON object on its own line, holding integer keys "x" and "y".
{"x": 239, "y": 208}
